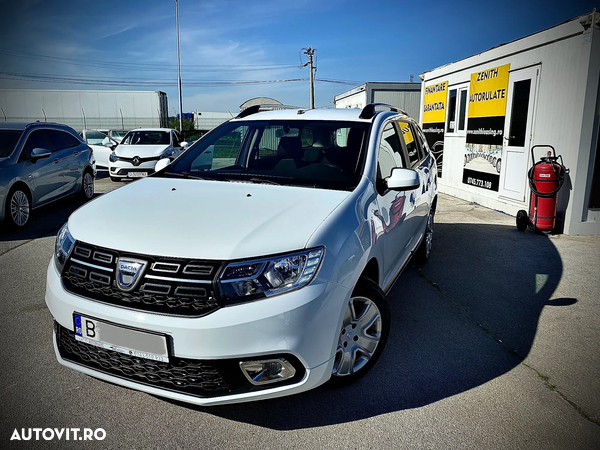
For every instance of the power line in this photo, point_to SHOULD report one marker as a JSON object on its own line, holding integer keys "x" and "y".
{"x": 116, "y": 82}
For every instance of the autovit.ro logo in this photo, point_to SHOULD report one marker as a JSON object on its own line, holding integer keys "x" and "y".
{"x": 67, "y": 434}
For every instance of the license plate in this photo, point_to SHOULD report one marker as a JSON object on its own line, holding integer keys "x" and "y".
{"x": 120, "y": 339}
{"x": 137, "y": 174}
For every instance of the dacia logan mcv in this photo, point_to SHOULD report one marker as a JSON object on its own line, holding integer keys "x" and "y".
{"x": 255, "y": 265}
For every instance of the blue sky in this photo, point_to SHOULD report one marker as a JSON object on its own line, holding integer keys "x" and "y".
{"x": 131, "y": 44}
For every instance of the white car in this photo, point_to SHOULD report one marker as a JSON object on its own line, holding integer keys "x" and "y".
{"x": 101, "y": 144}
{"x": 255, "y": 265}
{"x": 140, "y": 149}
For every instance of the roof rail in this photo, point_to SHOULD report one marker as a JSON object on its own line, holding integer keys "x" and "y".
{"x": 263, "y": 107}
{"x": 368, "y": 112}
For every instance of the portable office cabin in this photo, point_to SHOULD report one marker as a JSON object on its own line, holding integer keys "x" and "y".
{"x": 406, "y": 96}
{"x": 482, "y": 115}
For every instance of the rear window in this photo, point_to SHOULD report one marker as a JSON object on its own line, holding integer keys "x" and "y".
{"x": 8, "y": 140}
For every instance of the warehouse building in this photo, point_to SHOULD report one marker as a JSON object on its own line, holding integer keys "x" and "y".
{"x": 406, "y": 96}
{"x": 483, "y": 114}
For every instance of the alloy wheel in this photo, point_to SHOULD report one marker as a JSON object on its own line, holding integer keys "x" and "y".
{"x": 359, "y": 337}
{"x": 19, "y": 208}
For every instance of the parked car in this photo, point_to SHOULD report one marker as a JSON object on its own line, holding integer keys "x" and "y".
{"x": 101, "y": 144}
{"x": 39, "y": 163}
{"x": 258, "y": 271}
{"x": 140, "y": 149}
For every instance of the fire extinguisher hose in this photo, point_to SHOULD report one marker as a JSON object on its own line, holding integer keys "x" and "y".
{"x": 560, "y": 177}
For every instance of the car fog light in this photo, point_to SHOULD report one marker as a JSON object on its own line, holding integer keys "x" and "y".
{"x": 267, "y": 371}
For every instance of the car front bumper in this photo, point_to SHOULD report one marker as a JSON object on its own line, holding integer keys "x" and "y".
{"x": 301, "y": 326}
{"x": 121, "y": 169}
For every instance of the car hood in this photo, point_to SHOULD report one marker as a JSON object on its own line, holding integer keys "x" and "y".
{"x": 129, "y": 151}
{"x": 204, "y": 219}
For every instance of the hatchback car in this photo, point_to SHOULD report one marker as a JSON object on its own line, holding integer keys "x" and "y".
{"x": 291, "y": 227}
{"x": 137, "y": 154}
{"x": 39, "y": 163}
{"x": 101, "y": 144}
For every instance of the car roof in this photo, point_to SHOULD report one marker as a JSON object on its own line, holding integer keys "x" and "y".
{"x": 152, "y": 129}
{"x": 25, "y": 125}
{"x": 338, "y": 114}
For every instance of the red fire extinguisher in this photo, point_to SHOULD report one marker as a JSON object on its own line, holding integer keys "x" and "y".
{"x": 546, "y": 177}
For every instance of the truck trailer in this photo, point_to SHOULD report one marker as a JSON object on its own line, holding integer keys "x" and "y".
{"x": 83, "y": 109}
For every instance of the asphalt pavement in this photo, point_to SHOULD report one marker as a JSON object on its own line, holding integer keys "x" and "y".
{"x": 494, "y": 344}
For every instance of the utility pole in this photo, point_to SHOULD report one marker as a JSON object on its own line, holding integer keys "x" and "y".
{"x": 179, "y": 70}
{"x": 310, "y": 53}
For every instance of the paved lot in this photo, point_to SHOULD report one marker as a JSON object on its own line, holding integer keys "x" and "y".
{"x": 495, "y": 344}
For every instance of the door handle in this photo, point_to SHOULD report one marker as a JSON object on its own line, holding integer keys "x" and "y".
{"x": 75, "y": 153}
{"x": 56, "y": 161}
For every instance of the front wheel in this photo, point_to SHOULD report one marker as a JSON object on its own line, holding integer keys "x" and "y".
{"x": 18, "y": 208}
{"x": 363, "y": 334}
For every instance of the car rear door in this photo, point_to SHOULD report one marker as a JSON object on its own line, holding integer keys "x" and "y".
{"x": 421, "y": 161}
{"x": 68, "y": 161}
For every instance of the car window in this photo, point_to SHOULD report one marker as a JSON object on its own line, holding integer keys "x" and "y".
{"x": 144, "y": 137}
{"x": 37, "y": 139}
{"x": 56, "y": 139}
{"x": 72, "y": 141}
{"x": 311, "y": 153}
{"x": 93, "y": 137}
{"x": 421, "y": 142}
{"x": 411, "y": 145}
{"x": 8, "y": 140}
{"x": 390, "y": 152}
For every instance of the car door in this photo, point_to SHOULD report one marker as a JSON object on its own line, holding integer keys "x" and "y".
{"x": 68, "y": 164}
{"x": 389, "y": 220}
{"x": 42, "y": 175}
{"x": 417, "y": 202}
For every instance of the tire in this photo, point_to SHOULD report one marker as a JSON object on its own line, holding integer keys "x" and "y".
{"x": 363, "y": 336}
{"x": 18, "y": 208}
{"x": 87, "y": 186}
{"x": 522, "y": 220}
{"x": 424, "y": 251}
{"x": 498, "y": 165}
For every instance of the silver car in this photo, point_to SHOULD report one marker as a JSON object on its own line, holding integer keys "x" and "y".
{"x": 41, "y": 162}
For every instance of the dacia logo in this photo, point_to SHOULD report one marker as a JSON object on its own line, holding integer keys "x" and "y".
{"x": 129, "y": 272}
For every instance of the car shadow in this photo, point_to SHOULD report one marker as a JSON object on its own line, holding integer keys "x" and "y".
{"x": 466, "y": 317}
{"x": 44, "y": 221}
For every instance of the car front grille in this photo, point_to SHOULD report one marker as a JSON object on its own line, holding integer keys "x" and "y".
{"x": 166, "y": 286}
{"x": 187, "y": 376}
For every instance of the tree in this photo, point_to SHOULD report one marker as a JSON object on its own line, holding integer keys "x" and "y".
{"x": 188, "y": 124}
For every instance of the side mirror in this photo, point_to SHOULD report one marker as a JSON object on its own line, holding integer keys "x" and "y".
{"x": 403, "y": 180}
{"x": 184, "y": 145}
{"x": 162, "y": 164}
{"x": 40, "y": 153}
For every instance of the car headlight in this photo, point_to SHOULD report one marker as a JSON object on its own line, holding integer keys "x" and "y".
{"x": 252, "y": 280}
{"x": 113, "y": 157}
{"x": 62, "y": 247}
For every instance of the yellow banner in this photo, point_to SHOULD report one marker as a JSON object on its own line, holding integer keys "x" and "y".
{"x": 489, "y": 90}
{"x": 406, "y": 133}
{"x": 434, "y": 103}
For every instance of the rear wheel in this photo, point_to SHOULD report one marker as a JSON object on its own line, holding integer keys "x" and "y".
{"x": 87, "y": 186}
{"x": 18, "y": 208}
{"x": 363, "y": 334}
{"x": 424, "y": 251}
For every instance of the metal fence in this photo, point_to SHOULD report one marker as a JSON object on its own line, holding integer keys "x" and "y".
{"x": 92, "y": 123}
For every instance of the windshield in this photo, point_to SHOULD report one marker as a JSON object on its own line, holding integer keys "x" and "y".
{"x": 142, "y": 137}
{"x": 323, "y": 154}
{"x": 8, "y": 140}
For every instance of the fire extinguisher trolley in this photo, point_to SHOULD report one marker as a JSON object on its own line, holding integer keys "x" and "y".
{"x": 546, "y": 177}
